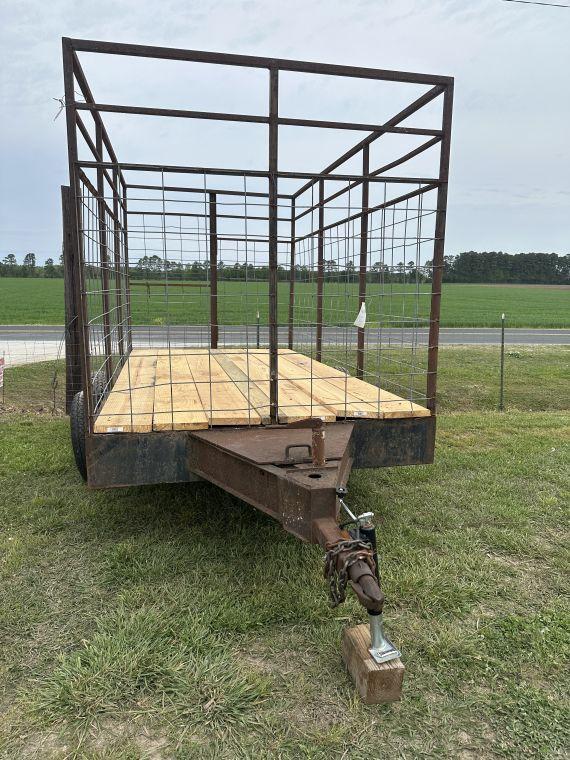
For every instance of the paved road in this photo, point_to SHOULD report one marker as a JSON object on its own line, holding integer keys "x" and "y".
{"x": 238, "y": 334}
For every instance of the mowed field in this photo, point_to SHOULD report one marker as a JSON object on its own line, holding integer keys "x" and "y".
{"x": 40, "y": 301}
{"x": 176, "y": 622}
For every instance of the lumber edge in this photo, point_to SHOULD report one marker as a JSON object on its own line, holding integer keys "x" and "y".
{"x": 376, "y": 684}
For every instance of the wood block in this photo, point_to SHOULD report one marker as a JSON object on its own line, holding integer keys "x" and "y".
{"x": 376, "y": 684}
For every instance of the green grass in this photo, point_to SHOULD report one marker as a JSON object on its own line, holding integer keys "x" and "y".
{"x": 178, "y": 622}
{"x": 39, "y": 301}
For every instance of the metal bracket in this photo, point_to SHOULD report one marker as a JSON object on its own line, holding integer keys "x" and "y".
{"x": 307, "y": 446}
{"x": 382, "y": 649}
{"x": 317, "y": 447}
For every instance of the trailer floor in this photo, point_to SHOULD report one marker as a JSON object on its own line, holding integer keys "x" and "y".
{"x": 193, "y": 389}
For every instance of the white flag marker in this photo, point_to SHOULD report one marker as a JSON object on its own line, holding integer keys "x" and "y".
{"x": 360, "y": 320}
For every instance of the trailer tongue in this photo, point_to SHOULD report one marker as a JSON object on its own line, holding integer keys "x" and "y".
{"x": 305, "y": 495}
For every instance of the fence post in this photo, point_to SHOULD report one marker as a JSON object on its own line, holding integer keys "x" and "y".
{"x": 502, "y": 382}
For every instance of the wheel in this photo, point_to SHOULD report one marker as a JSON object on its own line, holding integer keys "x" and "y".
{"x": 98, "y": 386}
{"x": 78, "y": 424}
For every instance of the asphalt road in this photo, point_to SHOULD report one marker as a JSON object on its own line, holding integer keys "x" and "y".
{"x": 238, "y": 334}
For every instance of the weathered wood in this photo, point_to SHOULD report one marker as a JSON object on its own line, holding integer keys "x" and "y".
{"x": 376, "y": 684}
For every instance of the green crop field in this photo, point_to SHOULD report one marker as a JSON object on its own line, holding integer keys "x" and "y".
{"x": 40, "y": 301}
{"x": 178, "y": 622}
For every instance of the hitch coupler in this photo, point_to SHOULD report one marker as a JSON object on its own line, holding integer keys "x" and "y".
{"x": 356, "y": 561}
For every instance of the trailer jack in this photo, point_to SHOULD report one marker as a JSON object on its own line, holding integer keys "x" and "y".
{"x": 356, "y": 561}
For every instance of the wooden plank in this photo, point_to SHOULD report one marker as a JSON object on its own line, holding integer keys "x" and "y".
{"x": 223, "y": 402}
{"x": 258, "y": 398}
{"x": 294, "y": 403}
{"x": 339, "y": 399}
{"x": 177, "y": 403}
{"x": 391, "y": 405}
{"x": 376, "y": 684}
{"x": 129, "y": 406}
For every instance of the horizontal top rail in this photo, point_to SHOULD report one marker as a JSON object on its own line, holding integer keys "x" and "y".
{"x": 252, "y": 61}
{"x": 258, "y": 173}
{"x": 181, "y": 113}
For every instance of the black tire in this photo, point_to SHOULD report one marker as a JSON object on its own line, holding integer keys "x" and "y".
{"x": 98, "y": 386}
{"x": 78, "y": 428}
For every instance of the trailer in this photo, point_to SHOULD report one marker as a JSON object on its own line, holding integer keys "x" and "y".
{"x": 268, "y": 326}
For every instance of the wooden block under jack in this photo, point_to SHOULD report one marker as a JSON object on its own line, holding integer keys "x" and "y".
{"x": 376, "y": 684}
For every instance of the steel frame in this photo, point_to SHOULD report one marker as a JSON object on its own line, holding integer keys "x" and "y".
{"x": 112, "y": 174}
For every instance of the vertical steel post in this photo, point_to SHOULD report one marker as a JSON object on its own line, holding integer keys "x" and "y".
{"x": 104, "y": 258}
{"x": 76, "y": 242}
{"x": 502, "y": 382}
{"x": 125, "y": 231}
{"x": 72, "y": 332}
{"x": 117, "y": 261}
{"x": 438, "y": 252}
{"x": 213, "y": 270}
{"x": 320, "y": 271}
{"x": 292, "y": 277}
{"x": 272, "y": 231}
{"x": 363, "y": 258}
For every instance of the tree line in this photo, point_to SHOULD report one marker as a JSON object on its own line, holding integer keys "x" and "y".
{"x": 9, "y": 267}
{"x": 466, "y": 267}
{"x": 499, "y": 267}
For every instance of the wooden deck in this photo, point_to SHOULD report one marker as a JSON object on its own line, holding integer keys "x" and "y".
{"x": 192, "y": 389}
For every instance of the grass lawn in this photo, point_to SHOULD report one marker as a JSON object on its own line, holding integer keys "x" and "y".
{"x": 178, "y": 622}
{"x": 39, "y": 301}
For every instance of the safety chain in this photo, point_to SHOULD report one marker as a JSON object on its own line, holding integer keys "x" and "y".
{"x": 338, "y": 579}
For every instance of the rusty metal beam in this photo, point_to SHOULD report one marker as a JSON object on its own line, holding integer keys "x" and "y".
{"x": 253, "y": 61}
{"x": 363, "y": 260}
{"x": 320, "y": 272}
{"x": 438, "y": 253}
{"x": 213, "y": 270}
{"x": 272, "y": 231}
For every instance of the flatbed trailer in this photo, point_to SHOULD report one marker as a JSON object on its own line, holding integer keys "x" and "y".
{"x": 285, "y": 308}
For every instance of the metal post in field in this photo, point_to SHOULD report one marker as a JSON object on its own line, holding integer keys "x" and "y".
{"x": 2, "y": 365}
{"x": 257, "y": 330}
{"x": 502, "y": 381}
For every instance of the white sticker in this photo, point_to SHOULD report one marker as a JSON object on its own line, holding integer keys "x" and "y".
{"x": 114, "y": 429}
{"x": 360, "y": 320}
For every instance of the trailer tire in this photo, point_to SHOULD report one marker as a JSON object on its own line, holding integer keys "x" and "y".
{"x": 78, "y": 429}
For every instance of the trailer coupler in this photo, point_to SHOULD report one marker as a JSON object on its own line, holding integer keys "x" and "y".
{"x": 355, "y": 561}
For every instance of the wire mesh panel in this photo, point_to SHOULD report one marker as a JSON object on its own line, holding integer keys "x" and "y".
{"x": 230, "y": 296}
{"x": 104, "y": 282}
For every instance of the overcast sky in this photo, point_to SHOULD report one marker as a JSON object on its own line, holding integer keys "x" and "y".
{"x": 510, "y": 162}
